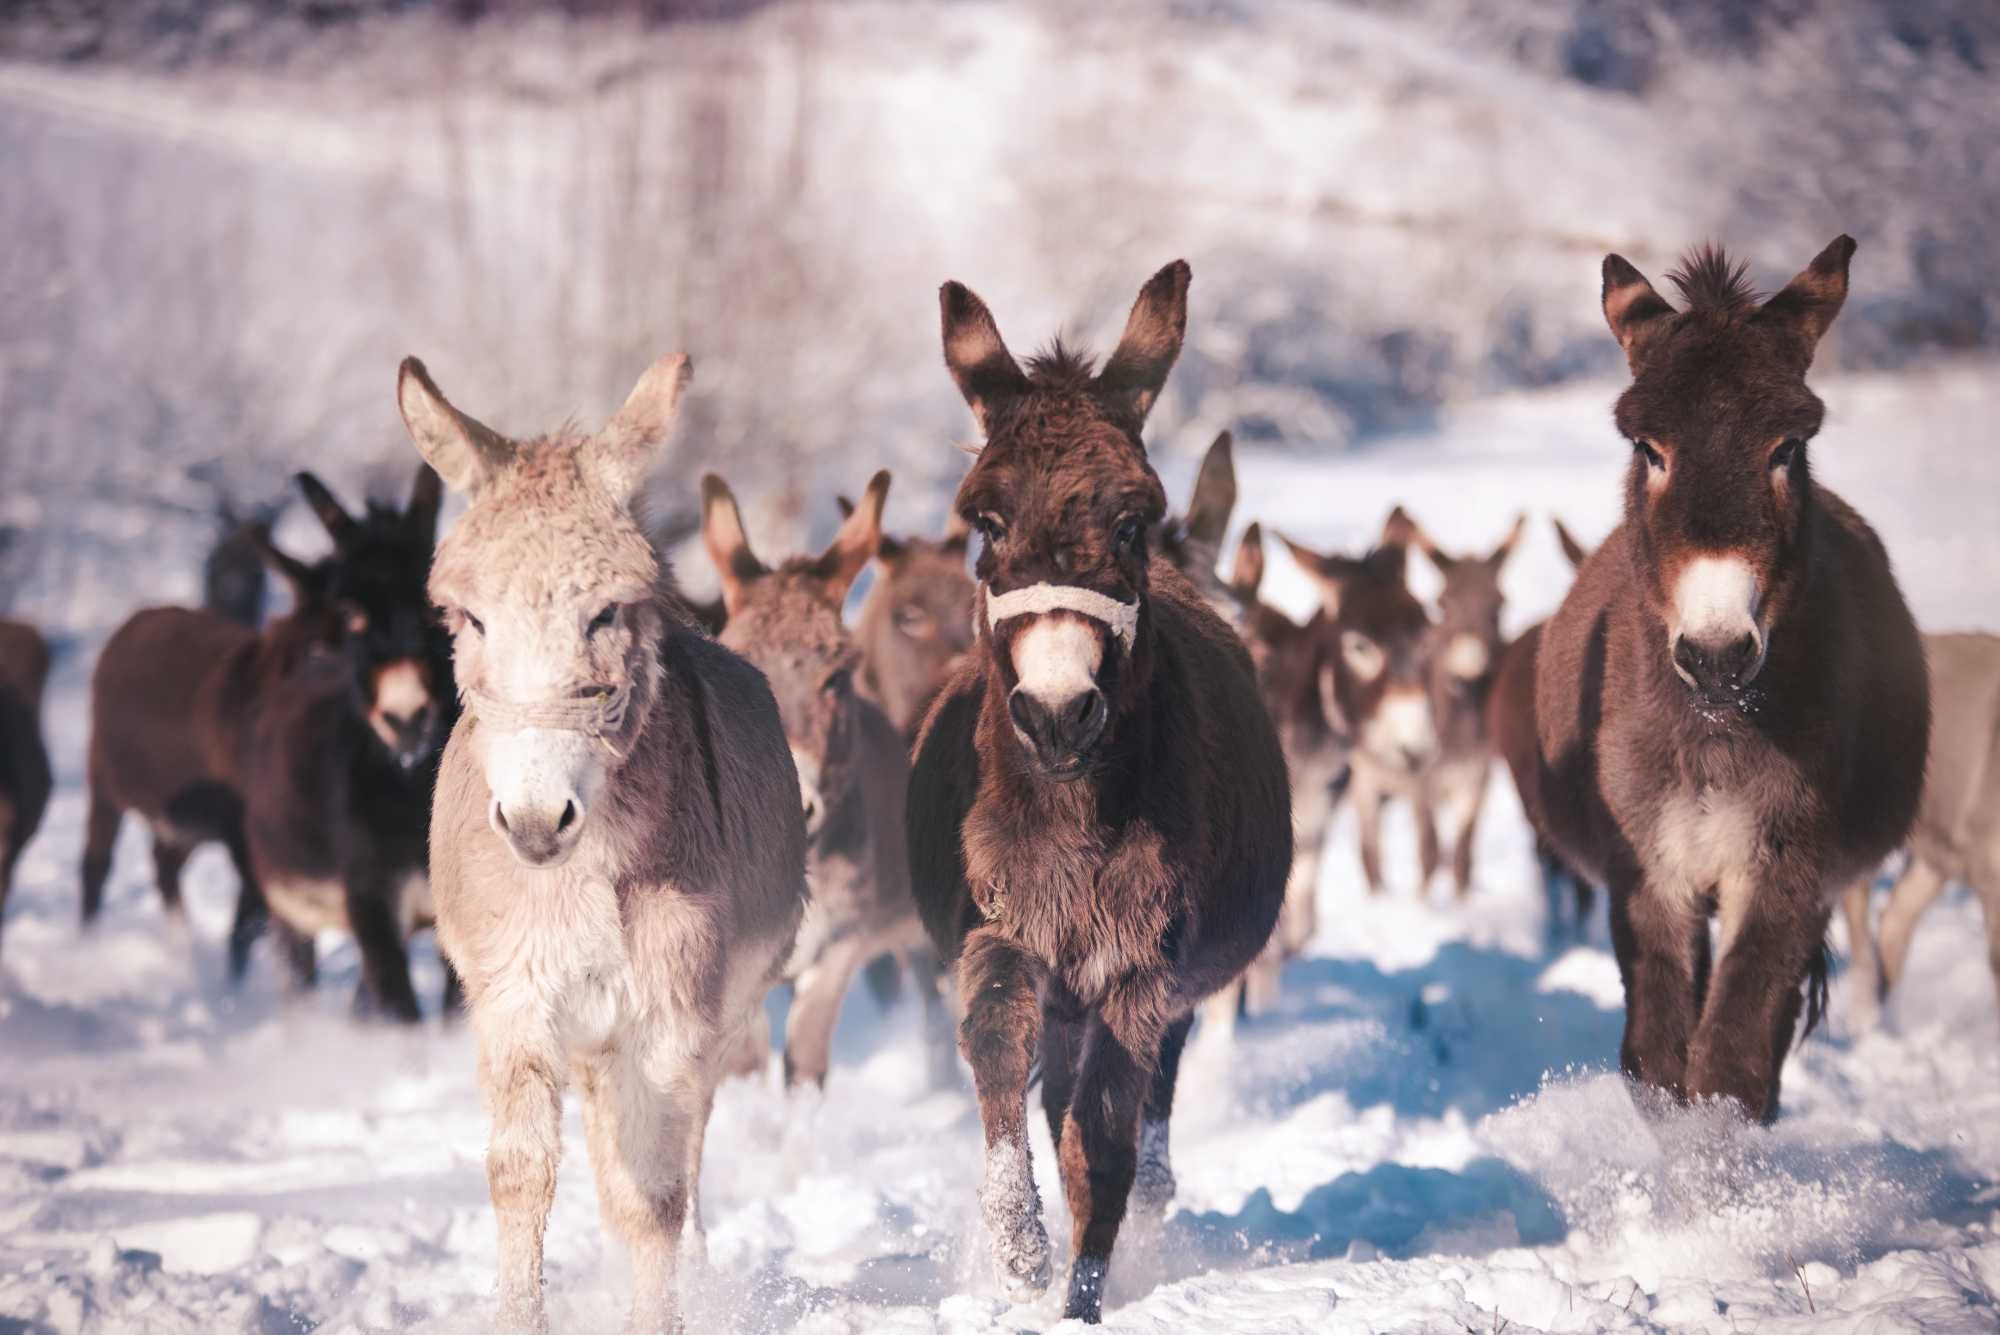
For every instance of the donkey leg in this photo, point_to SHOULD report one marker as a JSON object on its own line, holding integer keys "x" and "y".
{"x": 385, "y": 962}
{"x": 1662, "y": 956}
{"x": 998, "y": 1037}
{"x": 451, "y": 1004}
{"x": 1099, "y": 1153}
{"x": 1988, "y": 888}
{"x": 1864, "y": 968}
{"x": 1153, "y": 1184}
{"x": 253, "y": 913}
{"x": 638, "y": 1130}
{"x": 815, "y": 1008}
{"x": 1424, "y": 811}
{"x": 1062, "y": 1049}
{"x": 523, "y": 1093}
{"x": 100, "y": 836}
{"x": 938, "y": 1043}
{"x": 1368, "y": 824}
{"x": 1464, "y": 807}
{"x": 1915, "y": 890}
{"x": 694, "y": 1231}
{"x": 1220, "y": 1010}
{"x": 1753, "y": 1004}
{"x": 168, "y": 859}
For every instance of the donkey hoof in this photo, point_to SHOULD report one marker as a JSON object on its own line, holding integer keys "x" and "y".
{"x": 1086, "y": 1291}
{"x": 1023, "y": 1263}
{"x": 1153, "y": 1184}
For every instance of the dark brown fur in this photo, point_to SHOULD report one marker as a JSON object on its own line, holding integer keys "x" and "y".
{"x": 25, "y": 778}
{"x": 1753, "y": 795}
{"x": 1510, "y": 723}
{"x": 1089, "y": 901}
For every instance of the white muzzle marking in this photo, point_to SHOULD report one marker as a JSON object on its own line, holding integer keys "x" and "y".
{"x": 1402, "y": 727}
{"x": 1466, "y": 656}
{"x": 811, "y": 801}
{"x": 1057, "y": 659}
{"x": 1715, "y": 602}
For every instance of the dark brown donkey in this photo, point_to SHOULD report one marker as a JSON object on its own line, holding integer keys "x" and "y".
{"x": 1464, "y": 655}
{"x": 1510, "y": 722}
{"x": 340, "y": 769}
{"x": 1294, "y": 663}
{"x": 853, "y": 775}
{"x": 1731, "y": 701}
{"x": 24, "y": 760}
{"x": 916, "y": 619}
{"x": 1099, "y": 829}
{"x": 1374, "y": 683}
{"x": 174, "y": 701}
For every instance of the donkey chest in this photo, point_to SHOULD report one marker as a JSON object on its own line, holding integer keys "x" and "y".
{"x": 1092, "y": 913}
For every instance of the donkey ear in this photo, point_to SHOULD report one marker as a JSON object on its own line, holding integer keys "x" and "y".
{"x": 974, "y": 353}
{"x": 1137, "y": 370}
{"x": 957, "y": 533}
{"x": 1631, "y": 307}
{"x": 1331, "y": 573}
{"x": 623, "y": 452}
{"x": 728, "y": 546}
{"x": 844, "y": 505}
{"x": 857, "y": 542}
{"x": 1214, "y": 495}
{"x": 1248, "y": 571}
{"x": 1810, "y": 301}
{"x": 465, "y": 451}
{"x": 298, "y": 576}
{"x": 1508, "y": 543}
{"x": 1574, "y": 550}
{"x": 339, "y": 524}
{"x": 1400, "y": 529}
{"x": 426, "y": 498}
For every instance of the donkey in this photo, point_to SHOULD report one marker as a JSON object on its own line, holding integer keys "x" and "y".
{"x": 617, "y": 848}
{"x": 1731, "y": 701}
{"x": 1192, "y": 543}
{"x": 1375, "y": 685}
{"x": 853, "y": 773}
{"x": 25, "y": 778}
{"x": 1510, "y": 723}
{"x": 1293, "y": 663}
{"x": 1957, "y": 830}
{"x": 1465, "y": 650}
{"x": 916, "y": 619}
{"x": 1099, "y": 829}
{"x": 174, "y": 701}
{"x": 339, "y": 770}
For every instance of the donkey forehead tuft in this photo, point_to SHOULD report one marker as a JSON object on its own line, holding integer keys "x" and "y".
{"x": 546, "y": 531}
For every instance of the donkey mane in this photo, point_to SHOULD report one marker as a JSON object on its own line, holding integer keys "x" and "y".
{"x": 1061, "y": 367}
{"x": 1709, "y": 279}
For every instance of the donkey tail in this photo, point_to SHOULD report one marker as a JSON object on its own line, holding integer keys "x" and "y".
{"x": 1817, "y": 972}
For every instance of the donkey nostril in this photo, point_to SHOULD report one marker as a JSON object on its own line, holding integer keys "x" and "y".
{"x": 1021, "y": 712}
{"x": 811, "y": 810}
{"x": 568, "y": 817}
{"x": 500, "y": 816}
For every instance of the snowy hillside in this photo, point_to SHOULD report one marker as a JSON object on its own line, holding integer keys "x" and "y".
{"x": 1426, "y": 1139}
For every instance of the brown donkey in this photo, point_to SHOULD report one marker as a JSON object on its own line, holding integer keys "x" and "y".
{"x": 915, "y": 621}
{"x": 1464, "y": 656}
{"x": 1731, "y": 701}
{"x": 853, "y": 772}
{"x": 174, "y": 705}
{"x": 1375, "y": 684}
{"x": 25, "y": 779}
{"x": 1957, "y": 831}
{"x": 1510, "y": 723}
{"x": 1098, "y": 821}
{"x": 617, "y": 852}
{"x": 1293, "y": 663}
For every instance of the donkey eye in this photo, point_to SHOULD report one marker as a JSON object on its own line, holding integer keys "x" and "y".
{"x": 603, "y": 620}
{"x": 837, "y": 682}
{"x": 1654, "y": 459}
{"x": 478, "y": 626}
{"x": 1788, "y": 450}
{"x": 991, "y": 526}
{"x": 1364, "y": 657}
{"x": 915, "y": 622}
{"x": 1126, "y": 536}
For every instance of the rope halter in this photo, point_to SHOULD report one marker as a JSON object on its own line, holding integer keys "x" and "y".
{"x": 602, "y": 713}
{"x": 1122, "y": 619}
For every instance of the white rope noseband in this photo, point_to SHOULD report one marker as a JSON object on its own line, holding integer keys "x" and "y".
{"x": 599, "y": 713}
{"x": 1036, "y": 599}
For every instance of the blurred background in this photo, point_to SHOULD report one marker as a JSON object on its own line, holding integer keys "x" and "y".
{"x": 225, "y": 221}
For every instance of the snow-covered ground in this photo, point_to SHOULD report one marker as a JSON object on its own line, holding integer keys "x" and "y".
{"x": 1427, "y": 1137}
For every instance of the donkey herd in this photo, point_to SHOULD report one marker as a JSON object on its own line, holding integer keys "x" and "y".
{"x": 1072, "y": 782}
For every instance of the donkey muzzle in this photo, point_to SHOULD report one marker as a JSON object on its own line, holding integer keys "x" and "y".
{"x": 538, "y": 835}
{"x": 1061, "y": 733}
{"x": 1719, "y": 670}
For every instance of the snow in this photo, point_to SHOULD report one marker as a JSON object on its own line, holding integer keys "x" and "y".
{"x": 1427, "y": 1137}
